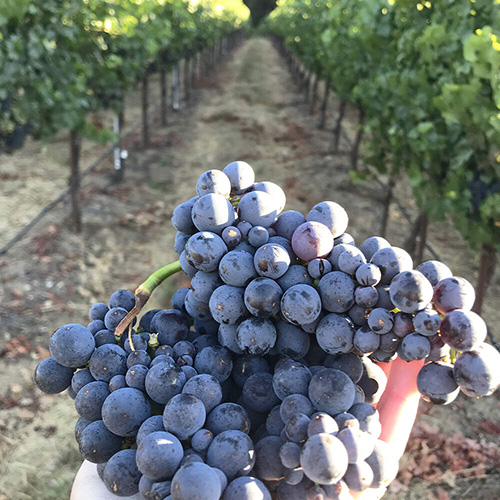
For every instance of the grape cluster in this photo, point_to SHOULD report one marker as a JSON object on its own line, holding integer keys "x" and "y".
{"x": 260, "y": 382}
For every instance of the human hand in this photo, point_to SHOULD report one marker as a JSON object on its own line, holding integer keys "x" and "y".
{"x": 397, "y": 408}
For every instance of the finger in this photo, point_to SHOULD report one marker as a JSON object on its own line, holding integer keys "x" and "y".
{"x": 88, "y": 485}
{"x": 399, "y": 403}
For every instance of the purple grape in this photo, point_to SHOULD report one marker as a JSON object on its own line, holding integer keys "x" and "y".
{"x": 301, "y": 304}
{"x": 332, "y": 215}
{"x": 415, "y": 346}
{"x": 213, "y": 212}
{"x": 334, "y": 334}
{"x": 72, "y": 345}
{"x": 236, "y": 268}
{"x": 206, "y": 388}
{"x": 366, "y": 296}
{"x": 288, "y": 222}
{"x": 231, "y": 236}
{"x": 258, "y": 236}
{"x": 434, "y": 271}
{"x": 292, "y": 341}
{"x": 322, "y": 423}
{"x": 337, "y": 292}
{"x": 391, "y": 261}
{"x": 477, "y": 371}
{"x": 411, "y": 291}
{"x": 258, "y": 208}
{"x": 312, "y": 240}
{"x": 274, "y": 190}
{"x": 241, "y": 176}
{"x": 436, "y": 383}
{"x": 181, "y": 218}
{"x": 331, "y": 391}
{"x": 350, "y": 260}
{"x": 371, "y": 245}
{"x": 213, "y": 181}
{"x": 204, "y": 250}
{"x": 453, "y": 293}
{"x": 262, "y": 297}
{"x": 271, "y": 261}
{"x": 51, "y": 377}
{"x": 368, "y": 274}
{"x": 227, "y": 305}
{"x": 365, "y": 340}
{"x": 380, "y": 320}
{"x": 256, "y": 336}
{"x": 427, "y": 322}
{"x": 463, "y": 330}
{"x": 295, "y": 275}
{"x": 121, "y": 475}
{"x": 324, "y": 459}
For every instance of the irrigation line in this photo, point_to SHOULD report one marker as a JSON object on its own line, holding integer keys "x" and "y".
{"x": 48, "y": 208}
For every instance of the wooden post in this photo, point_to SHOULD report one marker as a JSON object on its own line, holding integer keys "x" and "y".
{"x": 163, "y": 97}
{"x": 338, "y": 126}
{"x": 387, "y": 206}
{"x": 423, "y": 238}
{"x": 75, "y": 148}
{"x": 410, "y": 245}
{"x": 314, "y": 95}
{"x": 145, "y": 118}
{"x": 117, "y": 157}
{"x": 324, "y": 105}
{"x": 486, "y": 270}
{"x": 357, "y": 140}
{"x": 187, "y": 93}
{"x": 175, "y": 87}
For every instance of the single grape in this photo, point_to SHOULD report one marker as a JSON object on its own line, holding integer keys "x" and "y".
{"x": 365, "y": 340}
{"x": 241, "y": 176}
{"x": 463, "y": 330}
{"x": 246, "y": 488}
{"x": 258, "y": 236}
{"x": 427, "y": 322}
{"x": 295, "y": 275}
{"x": 164, "y": 381}
{"x": 368, "y": 274}
{"x": 159, "y": 455}
{"x": 232, "y": 452}
{"x": 296, "y": 427}
{"x": 344, "y": 239}
{"x": 206, "y": 388}
{"x": 227, "y": 305}
{"x": 332, "y": 215}
{"x": 236, "y": 268}
{"x": 213, "y": 181}
{"x": 436, "y": 383}
{"x": 324, "y": 459}
{"x": 51, "y": 377}
{"x": 415, "y": 346}
{"x": 121, "y": 475}
{"x": 391, "y": 261}
{"x": 245, "y": 366}
{"x": 402, "y": 324}
{"x": 181, "y": 218}
{"x": 183, "y": 415}
{"x": 196, "y": 481}
{"x": 196, "y": 309}
{"x": 371, "y": 245}
{"x": 104, "y": 337}
{"x": 201, "y": 440}
{"x": 312, "y": 240}
{"x": 350, "y": 260}
{"x": 384, "y": 464}
{"x": 301, "y": 304}
{"x": 380, "y": 320}
{"x": 72, "y": 345}
{"x": 213, "y": 212}
{"x": 97, "y": 444}
{"x": 268, "y": 464}
{"x": 271, "y": 261}
{"x": 292, "y": 341}
{"x": 366, "y": 296}
{"x": 204, "y": 250}
{"x": 98, "y": 311}
{"x": 322, "y": 423}
{"x": 411, "y": 291}
{"x": 180, "y": 242}
{"x": 359, "y": 476}
{"x": 117, "y": 382}
{"x": 136, "y": 377}
{"x": 389, "y": 342}
{"x": 258, "y": 208}
{"x": 258, "y": 392}
{"x": 358, "y": 444}
{"x": 185, "y": 265}
{"x": 95, "y": 326}
{"x": 204, "y": 284}
{"x": 453, "y": 293}
{"x": 434, "y": 271}
{"x": 288, "y": 222}
{"x": 114, "y": 317}
{"x": 125, "y": 410}
{"x": 335, "y": 333}
{"x": 107, "y": 361}
{"x": 256, "y": 336}
{"x": 348, "y": 363}
{"x": 122, "y": 298}
{"x": 337, "y": 292}
{"x": 317, "y": 268}
{"x": 89, "y": 400}
{"x": 231, "y": 236}
{"x": 274, "y": 190}
{"x": 477, "y": 371}
{"x": 226, "y": 336}
{"x": 228, "y": 416}
{"x": 290, "y": 377}
{"x": 262, "y": 297}
{"x": 331, "y": 391}
{"x": 151, "y": 424}
{"x": 215, "y": 361}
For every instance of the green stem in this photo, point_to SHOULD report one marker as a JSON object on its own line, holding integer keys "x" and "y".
{"x": 142, "y": 294}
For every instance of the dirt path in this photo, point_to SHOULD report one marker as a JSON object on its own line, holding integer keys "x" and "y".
{"x": 249, "y": 110}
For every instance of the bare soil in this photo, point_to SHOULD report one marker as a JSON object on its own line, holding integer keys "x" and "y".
{"x": 248, "y": 109}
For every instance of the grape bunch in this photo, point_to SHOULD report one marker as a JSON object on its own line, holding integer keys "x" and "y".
{"x": 260, "y": 382}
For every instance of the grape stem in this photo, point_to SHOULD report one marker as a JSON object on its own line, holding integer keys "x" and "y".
{"x": 142, "y": 294}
